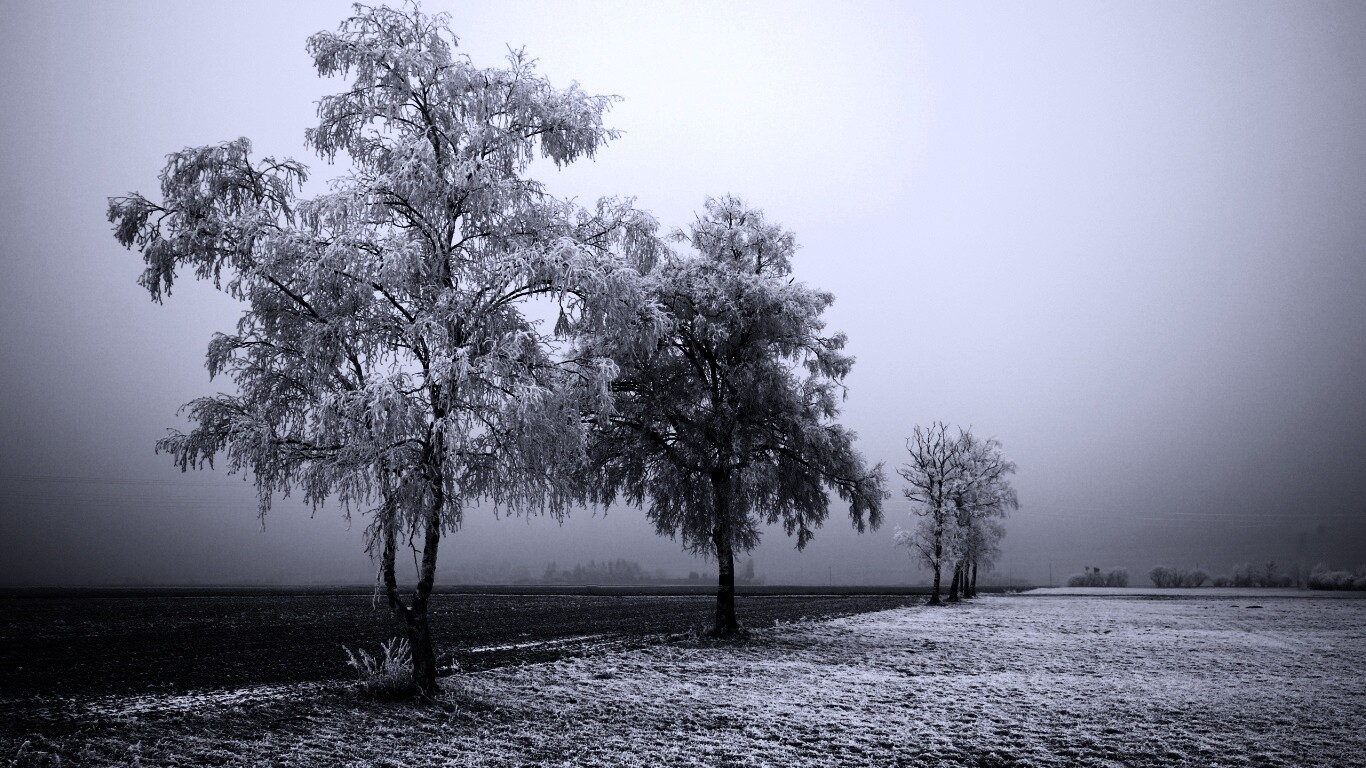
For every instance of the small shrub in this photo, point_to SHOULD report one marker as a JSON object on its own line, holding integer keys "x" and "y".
{"x": 1221, "y": 581}
{"x": 388, "y": 678}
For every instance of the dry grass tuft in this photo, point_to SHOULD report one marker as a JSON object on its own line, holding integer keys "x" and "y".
{"x": 387, "y": 678}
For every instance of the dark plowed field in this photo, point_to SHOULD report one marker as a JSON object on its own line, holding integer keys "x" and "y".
{"x": 64, "y": 646}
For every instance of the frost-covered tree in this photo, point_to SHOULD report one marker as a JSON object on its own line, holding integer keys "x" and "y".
{"x": 982, "y": 548}
{"x": 982, "y": 496}
{"x": 725, "y": 417}
{"x": 936, "y": 463}
{"x": 925, "y": 543}
{"x": 385, "y": 357}
{"x": 957, "y": 486}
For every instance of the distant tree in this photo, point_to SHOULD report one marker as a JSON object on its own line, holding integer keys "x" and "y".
{"x": 384, "y": 357}
{"x": 958, "y": 485}
{"x": 981, "y": 497}
{"x": 725, "y": 418}
{"x": 983, "y": 549}
{"x": 933, "y": 472}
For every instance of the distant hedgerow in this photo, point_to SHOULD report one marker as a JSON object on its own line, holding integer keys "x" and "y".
{"x": 1247, "y": 575}
{"x": 1092, "y": 577}
{"x": 1322, "y": 578}
{"x": 1163, "y": 576}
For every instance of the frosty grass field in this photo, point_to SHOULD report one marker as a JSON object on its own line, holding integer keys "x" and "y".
{"x": 1219, "y": 679}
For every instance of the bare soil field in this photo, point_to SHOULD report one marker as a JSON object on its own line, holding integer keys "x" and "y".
{"x": 1023, "y": 680}
{"x": 77, "y": 646}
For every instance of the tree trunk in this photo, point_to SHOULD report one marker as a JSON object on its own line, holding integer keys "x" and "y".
{"x": 424, "y": 657}
{"x": 938, "y": 565}
{"x": 974, "y": 578}
{"x": 726, "y": 625}
{"x": 419, "y": 632}
{"x": 957, "y": 581}
{"x": 413, "y": 617}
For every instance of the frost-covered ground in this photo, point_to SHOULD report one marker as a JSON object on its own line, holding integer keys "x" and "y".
{"x": 1205, "y": 592}
{"x": 1007, "y": 680}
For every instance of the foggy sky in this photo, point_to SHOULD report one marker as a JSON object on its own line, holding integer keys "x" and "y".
{"x": 1125, "y": 239}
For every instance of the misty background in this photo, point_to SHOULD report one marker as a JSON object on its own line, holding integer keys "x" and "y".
{"x": 1125, "y": 239}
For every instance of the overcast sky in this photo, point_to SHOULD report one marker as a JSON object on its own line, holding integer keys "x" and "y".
{"x": 1126, "y": 239}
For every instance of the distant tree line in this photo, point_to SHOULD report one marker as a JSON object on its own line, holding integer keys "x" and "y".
{"x": 1266, "y": 575}
{"x": 1163, "y": 576}
{"x": 1322, "y": 578}
{"x": 621, "y": 571}
{"x": 1092, "y": 577}
{"x": 609, "y": 572}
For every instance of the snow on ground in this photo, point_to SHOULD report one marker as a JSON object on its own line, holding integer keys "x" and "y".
{"x": 1002, "y": 681}
{"x": 1203, "y": 592}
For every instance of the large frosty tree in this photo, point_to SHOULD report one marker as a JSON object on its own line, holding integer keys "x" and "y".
{"x": 724, "y": 420}
{"x": 385, "y": 357}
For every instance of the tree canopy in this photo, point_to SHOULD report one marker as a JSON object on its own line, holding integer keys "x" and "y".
{"x": 723, "y": 418}
{"x": 385, "y": 357}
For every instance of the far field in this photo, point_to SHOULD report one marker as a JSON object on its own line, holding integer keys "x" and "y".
{"x": 134, "y": 641}
{"x": 1014, "y": 680}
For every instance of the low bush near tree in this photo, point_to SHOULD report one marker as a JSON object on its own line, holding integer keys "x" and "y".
{"x": 387, "y": 678}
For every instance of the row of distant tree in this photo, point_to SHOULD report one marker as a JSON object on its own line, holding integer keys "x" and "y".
{"x": 391, "y": 356}
{"x": 1322, "y": 578}
{"x": 1092, "y": 577}
{"x": 1242, "y": 575}
{"x": 627, "y": 572}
